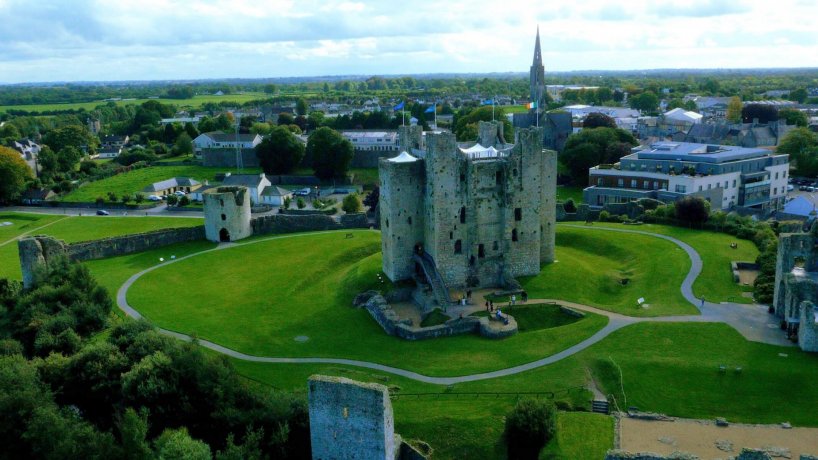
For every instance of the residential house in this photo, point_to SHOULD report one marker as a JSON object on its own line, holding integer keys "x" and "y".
{"x": 255, "y": 183}
{"x": 741, "y": 134}
{"x": 275, "y": 196}
{"x": 172, "y": 185}
{"x": 29, "y": 151}
{"x": 727, "y": 176}
{"x": 37, "y": 196}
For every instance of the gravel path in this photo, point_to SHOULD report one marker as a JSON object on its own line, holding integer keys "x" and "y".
{"x": 753, "y": 322}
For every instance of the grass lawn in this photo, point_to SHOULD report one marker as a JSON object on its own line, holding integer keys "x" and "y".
{"x": 592, "y": 264}
{"x": 196, "y": 101}
{"x": 73, "y": 229}
{"x": 365, "y": 177}
{"x": 434, "y": 318}
{"x": 564, "y": 192}
{"x": 134, "y": 181}
{"x": 257, "y": 298}
{"x": 716, "y": 280}
{"x": 580, "y": 436}
{"x": 537, "y": 316}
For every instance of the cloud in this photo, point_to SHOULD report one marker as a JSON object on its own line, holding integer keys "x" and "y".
{"x": 165, "y": 39}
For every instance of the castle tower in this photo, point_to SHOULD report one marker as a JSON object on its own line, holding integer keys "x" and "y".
{"x": 537, "y": 75}
{"x": 227, "y": 214}
{"x": 401, "y": 213}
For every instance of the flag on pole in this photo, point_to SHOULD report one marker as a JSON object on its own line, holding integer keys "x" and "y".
{"x": 531, "y": 105}
{"x": 399, "y": 106}
{"x": 488, "y": 102}
{"x": 431, "y": 109}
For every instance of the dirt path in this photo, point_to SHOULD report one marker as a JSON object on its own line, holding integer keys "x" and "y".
{"x": 708, "y": 441}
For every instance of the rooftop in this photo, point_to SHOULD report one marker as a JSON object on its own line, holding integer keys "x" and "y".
{"x": 705, "y": 153}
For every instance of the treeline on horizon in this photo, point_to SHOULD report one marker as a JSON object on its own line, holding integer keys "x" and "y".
{"x": 748, "y": 84}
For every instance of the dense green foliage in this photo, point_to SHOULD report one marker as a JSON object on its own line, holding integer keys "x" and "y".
{"x": 693, "y": 210}
{"x": 67, "y": 393}
{"x": 331, "y": 153}
{"x": 352, "y": 203}
{"x": 529, "y": 426}
{"x": 466, "y": 120}
{"x": 801, "y": 145}
{"x": 592, "y": 147}
{"x": 14, "y": 172}
{"x": 281, "y": 152}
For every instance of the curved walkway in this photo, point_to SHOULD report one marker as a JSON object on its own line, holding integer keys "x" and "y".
{"x": 750, "y": 321}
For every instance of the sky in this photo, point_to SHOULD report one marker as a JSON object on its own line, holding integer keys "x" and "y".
{"x": 109, "y": 40}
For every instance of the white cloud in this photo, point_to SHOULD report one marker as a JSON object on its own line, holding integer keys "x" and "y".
{"x": 144, "y": 39}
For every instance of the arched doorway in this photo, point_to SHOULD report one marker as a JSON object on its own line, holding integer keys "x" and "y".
{"x": 224, "y": 235}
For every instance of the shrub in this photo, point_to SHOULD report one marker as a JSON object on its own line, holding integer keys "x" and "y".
{"x": 300, "y": 203}
{"x": 604, "y": 216}
{"x": 172, "y": 200}
{"x": 352, "y": 203}
{"x": 529, "y": 426}
{"x": 569, "y": 205}
{"x": 184, "y": 201}
{"x": 287, "y": 202}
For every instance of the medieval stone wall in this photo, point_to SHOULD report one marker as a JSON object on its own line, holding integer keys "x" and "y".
{"x": 808, "y": 327}
{"x": 401, "y": 215}
{"x": 286, "y": 223}
{"x": 226, "y": 158}
{"x": 350, "y": 419}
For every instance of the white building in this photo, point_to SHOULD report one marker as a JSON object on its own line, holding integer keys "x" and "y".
{"x": 218, "y": 140}
{"x": 372, "y": 140}
{"x": 255, "y": 183}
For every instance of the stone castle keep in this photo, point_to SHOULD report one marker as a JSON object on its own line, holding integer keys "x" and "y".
{"x": 468, "y": 215}
{"x": 796, "y": 286}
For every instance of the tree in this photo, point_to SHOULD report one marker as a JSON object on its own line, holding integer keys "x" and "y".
{"x": 184, "y": 145}
{"x": 172, "y": 199}
{"x": 285, "y": 118}
{"x": 764, "y": 113}
{"x": 67, "y": 158}
{"x": 596, "y": 120}
{"x": 300, "y": 203}
{"x": 529, "y": 426}
{"x": 801, "y": 145}
{"x": 184, "y": 201}
{"x": 373, "y": 198}
{"x": 281, "y": 152}
{"x": 287, "y": 202}
{"x": 734, "y": 108}
{"x": 70, "y": 136}
{"x": 178, "y": 445}
{"x": 352, "y": 203}
{"x": 591, "y": 147}
{"x": 794, "y": 117}
{"x": 331, "y": 153}
{"x": 126, "y": 198}
{"x": 133, "y": 431}
{"x": 799, "y": 95}
{"x": 646, "y": 102}
{"x": 692, "y": 210}
{"x": 463, "y": 129}
{"x": 14, "y": 172}
{"x": 301, "y": 106}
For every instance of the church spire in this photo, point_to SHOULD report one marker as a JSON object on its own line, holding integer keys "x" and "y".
{"x": 537, "y": 52}
{"x": 537, "y": 74}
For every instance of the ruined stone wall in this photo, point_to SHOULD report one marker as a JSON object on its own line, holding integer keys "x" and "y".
{"x": 350, "y": 419}
{"x": 528, "y": 205}
{"x": 790, "y": 247}
{"x": 138, "y": 242}
{"x": 410, "y": 137}
{"x": 444, "y": 198}
{"x": 286, "y": 223}
{"x": 39, "y": 250}
{"x": 401, "y": 215}
{"x": 808, "y": 328}
{"x": 227, "y": 214}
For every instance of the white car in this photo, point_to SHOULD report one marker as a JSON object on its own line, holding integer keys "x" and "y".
{"x": 179, "y": 193}
{"x": 154, "y": 198}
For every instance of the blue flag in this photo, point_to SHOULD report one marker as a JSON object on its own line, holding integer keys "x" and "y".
{"x": 431, "y": 109}
{"x": 399, "y": 106}
{"x": 488, "y": 102}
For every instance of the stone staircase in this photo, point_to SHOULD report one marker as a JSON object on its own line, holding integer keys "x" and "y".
{"x": 600, "y": 406}
{"x": 441, "y": 292}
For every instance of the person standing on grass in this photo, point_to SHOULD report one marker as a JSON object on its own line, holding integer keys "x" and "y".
{"x": 702, "y": 301}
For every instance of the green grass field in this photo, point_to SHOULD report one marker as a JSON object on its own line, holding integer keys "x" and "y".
{"x": 71, "y": 230}
{"x": 716, "y": 280}
{"x": 134, "y": 181}
{"x": 196, "y": 101}
{"x": 304, "y": 286}
{"x": 591, "y": 265}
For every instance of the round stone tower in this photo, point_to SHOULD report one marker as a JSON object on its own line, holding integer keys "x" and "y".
{"x": 227, "y": 214}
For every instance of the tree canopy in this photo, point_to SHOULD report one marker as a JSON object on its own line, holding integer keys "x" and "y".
{"x": 591, "y": 147}
{"x": 465, "y": 124}
{"x": 331, "y": 153}
{"x": 14, "y": 172}
{"x": 281, "y": 152}
{"x": 764, "y": 113}
{"x": 801, "y": 145}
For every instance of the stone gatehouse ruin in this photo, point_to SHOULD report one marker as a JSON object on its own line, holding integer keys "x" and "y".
{"x": 467, "y": 215}
{"x": 796, "y": 287}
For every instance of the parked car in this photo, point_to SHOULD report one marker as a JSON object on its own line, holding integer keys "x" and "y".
{"x": 154, "y": 198}
{"x": 302, "y": 192}
{"x": 102, "y": 212}
{"x": 179, "y": 193}
{"x": 810, "y": 188}
{"x": 802, "y": 188}
{"x": 790, "y": 188}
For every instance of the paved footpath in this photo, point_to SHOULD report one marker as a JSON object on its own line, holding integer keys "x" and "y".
{"x": 752, "y": 321}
